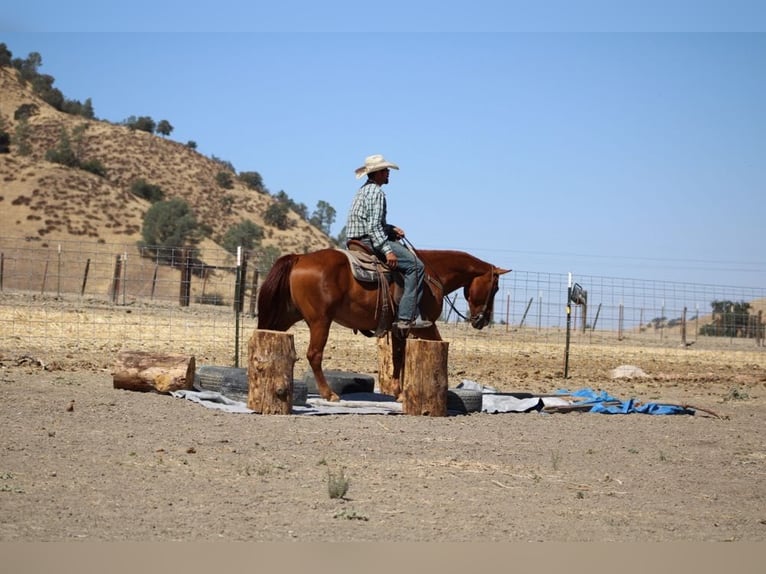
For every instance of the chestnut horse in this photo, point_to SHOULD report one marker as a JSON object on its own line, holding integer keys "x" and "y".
{"x": 319, "y": 288}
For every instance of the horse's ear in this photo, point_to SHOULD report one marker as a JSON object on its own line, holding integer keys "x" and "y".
{"x": 499, "y": 271}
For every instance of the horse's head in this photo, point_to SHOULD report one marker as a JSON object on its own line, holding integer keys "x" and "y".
{"x": 480, "y": 294}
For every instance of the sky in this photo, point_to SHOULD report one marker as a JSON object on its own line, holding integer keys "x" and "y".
{"x": 606, "y": 138}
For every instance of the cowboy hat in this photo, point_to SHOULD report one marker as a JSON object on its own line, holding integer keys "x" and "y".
{"x": 372, "y": 164}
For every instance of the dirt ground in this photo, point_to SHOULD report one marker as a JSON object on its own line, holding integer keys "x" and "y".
{"x": 80, "y": 460}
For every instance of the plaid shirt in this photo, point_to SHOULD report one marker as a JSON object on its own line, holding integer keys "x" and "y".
{"x": 367, "y": 217}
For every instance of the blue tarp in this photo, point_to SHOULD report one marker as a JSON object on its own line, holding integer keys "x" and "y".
{"x": 604, "y": 403}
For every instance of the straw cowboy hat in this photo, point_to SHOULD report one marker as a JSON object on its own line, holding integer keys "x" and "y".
{"x": 372, "y": 164}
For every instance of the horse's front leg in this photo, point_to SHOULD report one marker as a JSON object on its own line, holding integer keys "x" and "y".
{"x": 318, "y": 333}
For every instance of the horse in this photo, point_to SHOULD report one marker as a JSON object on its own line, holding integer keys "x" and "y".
{"x": 319, "y": 288}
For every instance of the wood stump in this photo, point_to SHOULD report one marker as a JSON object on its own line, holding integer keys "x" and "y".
{"x": 425, "y": 378}
{"x": 386, "y": 383}
{"x": 146, "y": 371}
{"x": 271, "y": 358}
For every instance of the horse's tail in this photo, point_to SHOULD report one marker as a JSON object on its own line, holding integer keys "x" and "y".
{"x": 274, "y": 297}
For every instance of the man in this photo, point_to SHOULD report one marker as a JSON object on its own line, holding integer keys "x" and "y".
{"x": 367, "y": 223}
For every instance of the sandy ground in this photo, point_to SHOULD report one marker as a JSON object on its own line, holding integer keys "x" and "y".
{"x": 80, "y": 460}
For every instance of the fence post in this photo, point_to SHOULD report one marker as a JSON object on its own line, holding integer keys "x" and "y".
{"x": 85, "y": 277}
{"x": 595, "y": 320}
{"x": 154, "y": 278}
{"x": 58, "y": 273}
{"x": 116, "y": 279}
{"x": 45, "y": 277}
{"x": 237, "y": 303}
{"x": 254, "y": 292}
{"x": 619, "y": 322}
{"x": 2, "y": 265}
{"x": 185, "y": 293}
{"x": 524, "y": 316}
{"x": 683, "y": 327}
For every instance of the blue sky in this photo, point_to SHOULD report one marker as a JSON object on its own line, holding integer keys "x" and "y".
{"x": 602, "y": 138}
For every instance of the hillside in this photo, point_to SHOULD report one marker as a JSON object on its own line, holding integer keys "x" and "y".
{"x": 44, "y": 201}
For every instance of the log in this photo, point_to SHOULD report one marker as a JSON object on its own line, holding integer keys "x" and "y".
{"x": 386, "y": 382}
{"x": 425, "y": 378}
{"x": 271, "y": 358}
{"x": 146, "y": 371}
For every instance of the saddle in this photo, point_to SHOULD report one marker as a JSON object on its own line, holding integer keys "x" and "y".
{"x": 367, "y": 267}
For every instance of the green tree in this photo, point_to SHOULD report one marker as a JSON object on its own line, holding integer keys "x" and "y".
{"x": 63, "y": 153}
{"x": 276, "y": 215}
{"x": 252, "y": 179}
{"x": 191, "y": 144}
{"x": 141, "y": 123}
{"x": 169, "y": 225}
{"x": 266, "y": 256}
{"x": 323, "y": 217}
{"x": 164, "y": 128}
{"x": 148, "y": 191}
{"x": 246, "y": 233}
{"x": 21, "y": 138}
{"x": 5, "y": 56}
{"x": 224, "y": 179}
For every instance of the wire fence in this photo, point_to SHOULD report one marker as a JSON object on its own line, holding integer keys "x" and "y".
{"x": 84, "y": 298}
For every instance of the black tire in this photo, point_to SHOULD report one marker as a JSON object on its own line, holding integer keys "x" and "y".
{"x": 341, "y": 382}
{"x": 464, "y": 401}
{"x": 232, "y": 383}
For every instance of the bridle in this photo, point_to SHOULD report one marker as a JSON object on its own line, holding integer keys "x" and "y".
{"x": 479, "y": 318}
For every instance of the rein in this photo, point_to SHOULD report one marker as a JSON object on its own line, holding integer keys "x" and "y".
{"x": 433, "y": 278}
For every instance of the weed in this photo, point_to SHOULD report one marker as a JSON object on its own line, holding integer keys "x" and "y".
{"x": 337, "y": 484}
{"x": 351, "y": 515}
{"x": 555, "y": 459}
{"x": 736, "y": 395}
{"x": 663, "y": 457}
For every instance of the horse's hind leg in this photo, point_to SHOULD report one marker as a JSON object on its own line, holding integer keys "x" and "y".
{"x": 317, "y": 341}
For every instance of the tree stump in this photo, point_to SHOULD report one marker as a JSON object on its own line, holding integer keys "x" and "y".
{"x": 146, "y": 371}
{"x": 386, "y": 382}
{"x": 425, "y": 378}
{"x": 271, "y": 358}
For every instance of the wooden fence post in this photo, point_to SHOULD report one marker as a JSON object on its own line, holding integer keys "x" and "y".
{"x": 425, "y": 378}
{"x": 85, "y": 277}
{"x": 185, "y": 292}
{"x": 116, "y": 279}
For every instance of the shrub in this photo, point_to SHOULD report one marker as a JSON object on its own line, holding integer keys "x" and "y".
{"x": 152, "y": 193}
{"x": 247, "y": 234}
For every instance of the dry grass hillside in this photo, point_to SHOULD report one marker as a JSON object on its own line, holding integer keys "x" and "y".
{"x": 43, "y": 201}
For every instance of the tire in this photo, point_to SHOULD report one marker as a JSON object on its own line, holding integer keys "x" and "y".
{"x": 232, "y": 382}
{"x": 464, "y": 401}
{"x": 341, "y": 382}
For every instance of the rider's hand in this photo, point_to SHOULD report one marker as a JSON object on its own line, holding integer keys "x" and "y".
{"x": 399, "y": 232}
{"x": 391, "y": 260}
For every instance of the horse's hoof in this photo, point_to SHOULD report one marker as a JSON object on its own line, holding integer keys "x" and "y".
{"x": 334, "y": 398}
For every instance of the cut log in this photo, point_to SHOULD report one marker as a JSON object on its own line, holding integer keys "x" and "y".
{"x": 146, "y": 371}
{"x": 425, "y": 378}
{"x": 386, "y": 382}
{"x": 391, "y": 351}
{"x": 271, "y": 358}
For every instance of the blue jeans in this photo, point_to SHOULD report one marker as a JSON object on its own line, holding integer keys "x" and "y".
{"x": 414, "y": 271}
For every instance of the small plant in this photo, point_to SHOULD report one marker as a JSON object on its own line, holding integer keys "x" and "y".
{"x": 736, "y": 395}
{"x": 663, "y": 457}
{"x": 350, "y": 515}
{"x": 337, "y": 484}
{"x": 555, "y": 459}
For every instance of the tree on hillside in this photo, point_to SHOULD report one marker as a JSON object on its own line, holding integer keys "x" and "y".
{"x": 246, "y": 233}
{"x": 141, "y": 123}
{"x": 323, "y": 216}
{"x": 169, "y": 226}
{"x": 252, "y": 179}
{"x": 6, "y": 56}
{"x": 276, "y": 215}
{"x": 148, "y": 191}
{"x": 164, "y": 128}
{"x": 224, "y": 179}
{"x": 730, "y": 319}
